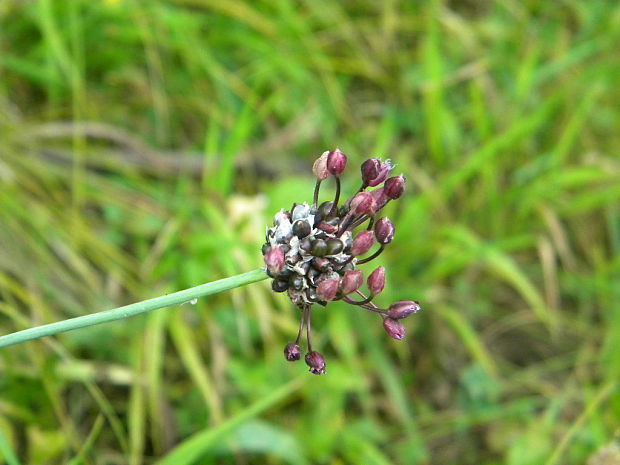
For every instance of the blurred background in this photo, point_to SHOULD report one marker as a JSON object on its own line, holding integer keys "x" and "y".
{"x": 144, "y": 146}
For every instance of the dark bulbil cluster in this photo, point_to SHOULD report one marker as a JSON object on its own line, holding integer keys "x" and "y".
{"x": 312, "y": 253}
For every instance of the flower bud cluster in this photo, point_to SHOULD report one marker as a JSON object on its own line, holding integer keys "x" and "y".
{"x": 312, "y": 251}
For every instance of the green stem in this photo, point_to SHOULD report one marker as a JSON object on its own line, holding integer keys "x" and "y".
{"x": 137, "y": 308}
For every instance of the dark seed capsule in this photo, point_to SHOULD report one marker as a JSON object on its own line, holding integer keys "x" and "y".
{"x": 334, "y": 246}
{"x": 285, "y": 248}
{"x": 292, "y": 260}
{"x": 311, "y": 294}
{"x": 266, "y": 248}
{"x": 320, "y": 263}
{"x": 279, "y": 285}
{"x": 285, "y": 273}
{"x": 324, "y": 209}
{"x": 319, "y": 248}
{"x": 301, "y": 228}
{"x": 305, "y": 244}
{"x": 297, "y": 282}
{"x": 305, "y": 267}
{"x": 312, "y": 274}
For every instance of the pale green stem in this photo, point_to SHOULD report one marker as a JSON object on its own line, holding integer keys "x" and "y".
{"x": 138, "y": 308}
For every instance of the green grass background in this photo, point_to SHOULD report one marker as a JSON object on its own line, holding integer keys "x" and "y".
{"x": 144, "y": 145}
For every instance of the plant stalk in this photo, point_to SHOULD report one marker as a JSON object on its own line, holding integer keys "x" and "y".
{"x": 134, "y": 309}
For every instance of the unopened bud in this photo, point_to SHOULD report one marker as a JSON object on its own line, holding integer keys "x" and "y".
{"x": 316, "y": 362}
{"x": 363, "y": 204}
{"x": 376, "y": 280}
{"x": 292, "y": 352}
{"x": 375, "y": 171}
{"x": 328, "y": 289}
{"x": 403, "y": 308}
{"x": 394, "y": 328}
{"x": 384, "y": 231}
{"x": 336, "y": 162}
{"x": 394, "y": 187}
{"x": 351, "y": 281}
{"x": 320, "y": 167}
{"x": 274, "y": 259}
{"x": 328, "y": 228}
{"x": 362, "y": 243}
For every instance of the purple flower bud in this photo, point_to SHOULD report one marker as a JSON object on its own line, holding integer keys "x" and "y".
{"x": 362, "y": 243}
{"x": 384, "y": 231}
{"x": 394, "y": 328}
{"x": 316, "y": 362}
{"x": 403, "y": 308}
{"x": 351, "y": 281}
{"x": 328, "y": 289}
{"x": 375, "y": 171}
{"x": 320, "y": 167}
{"x": 328, "y": 228}
{"x": 292, "y": 352}
{"x": 380, "y": 198}
{"x": 274, "y": 259}
{"x": 394, "y": 187}
{"x": 376, "y": 281}
{"x": 363, "y": 203}
{"x": 336, "y": 162}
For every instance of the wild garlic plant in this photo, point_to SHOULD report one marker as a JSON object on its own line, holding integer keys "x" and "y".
{"x": 313, "y": 254}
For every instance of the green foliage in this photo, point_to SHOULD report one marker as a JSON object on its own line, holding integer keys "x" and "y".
{"x": 144, "y": 146}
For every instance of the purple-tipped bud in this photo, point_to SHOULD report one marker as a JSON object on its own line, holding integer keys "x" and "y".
{"x": 316, "y": 362}
{"x": 351, "y": 281}
{"x": 375, "y": 171}
{"x": 376, "y": 280}
{"x": 384, "y": 231}
{"x": 328, "y": 228}
{"x": 394, "y": 187}
{"x": 328, "y": 289}
{"x": 394, "y": 328}
{"x": 320, "y": 167}
{"x": 403, "y": 308}
{"x": 363, "y": 204}
{"x": 274, "y": 259}
{"x": 362, "y": 243}
{"x": 336, "y": 162}
{"x": 292, "y": 352}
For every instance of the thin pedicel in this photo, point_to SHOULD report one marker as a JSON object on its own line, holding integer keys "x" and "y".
{"x": 312, "y": 253}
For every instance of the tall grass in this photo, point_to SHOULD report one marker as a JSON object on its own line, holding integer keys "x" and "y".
{"x": 144, "y": 146}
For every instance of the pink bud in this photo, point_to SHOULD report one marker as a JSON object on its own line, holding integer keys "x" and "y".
{"x": 328, "y": 289}
{"x": 375, "y": 171}
{"x": 384, "y": 231}
{"x": 394, "y": 328}
{"x": 292, "y": 352}
{"x": 351, "y": 281}
{"x": 320, "y": 167}
{"x": 394, "y": 187}
{"x": 362, "y": 243}
{"x": 403, "y": 308}
{"x": 274, "y": 259}
{"x": 376, "y": 280}
{"x": 316, "y": 362}
{"x": 336, "y": 162}
{"x": 380, "y": 198}
{"x": 328, "y": 228}
{"x": 363, "y": 204}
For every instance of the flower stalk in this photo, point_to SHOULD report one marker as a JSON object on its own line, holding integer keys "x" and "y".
{"x": 134, "y": 309}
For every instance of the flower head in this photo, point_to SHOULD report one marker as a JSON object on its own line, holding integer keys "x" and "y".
{"x": 313, "y": 250}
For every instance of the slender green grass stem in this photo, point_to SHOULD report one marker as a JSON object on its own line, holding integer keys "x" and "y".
{"x": 137, "y": 308}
